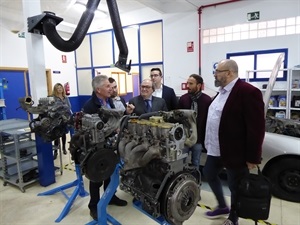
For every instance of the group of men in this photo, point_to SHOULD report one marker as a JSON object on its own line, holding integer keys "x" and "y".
{"x": 230, "y": 126}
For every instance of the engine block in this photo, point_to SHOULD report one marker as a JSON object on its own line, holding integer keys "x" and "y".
{"x": 156, "y": 167}
{"x": 53, "y": 118}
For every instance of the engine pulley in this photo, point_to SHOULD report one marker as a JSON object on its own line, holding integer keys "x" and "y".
{"x": 100, "y": 165}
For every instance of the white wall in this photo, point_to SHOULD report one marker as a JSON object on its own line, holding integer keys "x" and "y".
{"x": 236, "y": 13}
{"x": 178, "y": 29}
{"x": 13, "y": 54}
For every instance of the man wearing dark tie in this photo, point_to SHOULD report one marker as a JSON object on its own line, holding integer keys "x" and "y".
{"x": 145, "y": 102}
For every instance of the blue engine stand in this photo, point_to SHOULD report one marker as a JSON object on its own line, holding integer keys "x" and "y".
{"x": 103, "y": 216}
{"x": 160, "y": 220}
{"x": 79, "y": 190}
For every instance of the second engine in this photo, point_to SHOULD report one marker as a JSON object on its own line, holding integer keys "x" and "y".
{"x": 156, "y": 167}
{"x": 53, "y": 117}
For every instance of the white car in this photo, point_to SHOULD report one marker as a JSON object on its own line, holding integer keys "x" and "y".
{"x": 281, "y": 164}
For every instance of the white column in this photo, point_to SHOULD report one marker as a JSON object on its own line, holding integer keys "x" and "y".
{"x": 35, "y": 53}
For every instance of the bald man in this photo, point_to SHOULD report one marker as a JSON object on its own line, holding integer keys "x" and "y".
{"x": 235, "y": 132}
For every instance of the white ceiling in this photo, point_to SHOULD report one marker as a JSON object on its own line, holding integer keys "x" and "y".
{"x": 11, "y": 11}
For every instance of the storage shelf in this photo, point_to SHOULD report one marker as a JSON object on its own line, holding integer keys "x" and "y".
{"x": 295, "y": 109}
{"x": 282, "y": 88}
{"x": 24, "y": 144}
{"x": 276, "y": 90}
{"x": 18, "y": 153}
{"x": 24, "y": 166}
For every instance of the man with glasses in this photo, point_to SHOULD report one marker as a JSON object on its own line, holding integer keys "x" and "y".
{"x": 161, "y": 90}
{"x": 145, "y": 102}
{"x": 235, "y": 132}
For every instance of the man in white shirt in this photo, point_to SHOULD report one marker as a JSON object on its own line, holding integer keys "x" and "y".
{"x": 163, "y": 91}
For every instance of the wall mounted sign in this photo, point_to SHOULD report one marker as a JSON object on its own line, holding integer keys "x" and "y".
{"x": 64, "y": 59}
{"x": 253, "y": 16}
{"x": 190, "y": 46}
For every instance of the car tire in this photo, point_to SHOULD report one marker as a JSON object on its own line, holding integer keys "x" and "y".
{"x": 284, "y": 175}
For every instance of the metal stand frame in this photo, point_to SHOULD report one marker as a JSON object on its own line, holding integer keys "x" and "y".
{"x": 103, "y": 216}
{"x": 79, "y": 190}
{"x": 160, "y": 220}
{"x": 58, "y": 148}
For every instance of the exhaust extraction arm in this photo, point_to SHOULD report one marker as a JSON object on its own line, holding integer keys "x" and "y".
{"x": 46, "y": 23}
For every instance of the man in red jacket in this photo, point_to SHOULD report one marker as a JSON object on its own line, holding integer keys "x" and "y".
{"x": 235, "y": 131}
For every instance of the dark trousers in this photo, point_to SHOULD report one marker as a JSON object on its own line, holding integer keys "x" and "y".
{"x": 95, "y": 193}
{"x": 63, "y": 140}
{"x": 233, "y": 176}
{"x": 211, "y": 170}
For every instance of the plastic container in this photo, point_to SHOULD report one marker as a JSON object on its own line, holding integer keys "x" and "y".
{"x": 295, "y": 83}
{"x": 280, "y": 114}
{"x": 273, "y": 101}
{"x": 281, "y": 101}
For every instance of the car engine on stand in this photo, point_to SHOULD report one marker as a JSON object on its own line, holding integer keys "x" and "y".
{"x": 53, "y": 117}
{"x": 156, "y": 168}
{"x": 93, "y": 146}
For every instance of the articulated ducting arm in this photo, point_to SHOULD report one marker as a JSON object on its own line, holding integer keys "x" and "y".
{"x": 49, "y": 29}
{"x": 46, "y": 24}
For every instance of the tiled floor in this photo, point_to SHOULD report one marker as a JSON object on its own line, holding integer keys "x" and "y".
{"x": 17, "y": 208}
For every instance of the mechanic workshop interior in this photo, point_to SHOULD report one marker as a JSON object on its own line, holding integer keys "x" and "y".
{"x": 170, "y": 112}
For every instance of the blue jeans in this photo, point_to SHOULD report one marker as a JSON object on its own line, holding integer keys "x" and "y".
{"x": 196, "y": 150}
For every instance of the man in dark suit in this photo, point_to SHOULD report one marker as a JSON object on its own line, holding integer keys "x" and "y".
{"x": 235, "y": 132}
{"x": 161, "y": 90}
{"x": 145, "y": 102}
{"x": 100, "y": 98}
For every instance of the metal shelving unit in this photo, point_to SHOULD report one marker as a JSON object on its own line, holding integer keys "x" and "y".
{"x": 288, "y": 89}
{"x": 18, "y": 153}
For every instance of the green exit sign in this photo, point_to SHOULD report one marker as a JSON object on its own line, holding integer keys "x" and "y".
{"x": 253, "y": 16}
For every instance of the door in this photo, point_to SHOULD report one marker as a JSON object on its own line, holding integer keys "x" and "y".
{"x": 17, "y": 87}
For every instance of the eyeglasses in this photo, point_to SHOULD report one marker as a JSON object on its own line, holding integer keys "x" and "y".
{"x": 154, "y": 75}
{"x": 220, "y": 71}
{"x": 145, "y": 87}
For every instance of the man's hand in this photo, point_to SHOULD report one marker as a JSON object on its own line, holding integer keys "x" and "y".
{"x": 129, "y": 108}
{"x": 251, "y": 165}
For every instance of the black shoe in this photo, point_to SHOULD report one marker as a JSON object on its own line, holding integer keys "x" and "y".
{"x": 55, "y": 155}
{"x": 118, "y": 202}
{"x": 64, "y": 151}
{"x": 94, "y": 214}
